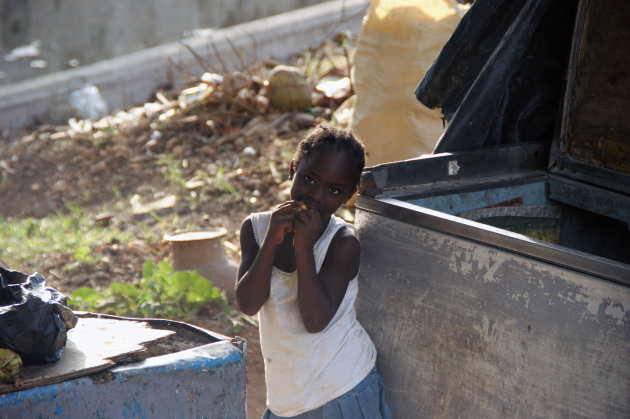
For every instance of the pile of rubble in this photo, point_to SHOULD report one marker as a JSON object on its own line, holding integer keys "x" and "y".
{"x": 206, "y": 155}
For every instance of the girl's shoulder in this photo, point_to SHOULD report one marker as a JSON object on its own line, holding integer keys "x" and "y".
{"x": 346, "y": 233}
{"x": 343, "y": 228}
{"x": 344, "y": 237}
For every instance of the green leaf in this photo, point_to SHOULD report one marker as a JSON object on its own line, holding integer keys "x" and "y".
{"x": 162, "y": 292}
{"x": 199, "y": 294}
{"x": 87, "y": 294}
{"x": 164, "y": 267}
{"x": 125, "y": 290}
{"x": 148, "y": 269}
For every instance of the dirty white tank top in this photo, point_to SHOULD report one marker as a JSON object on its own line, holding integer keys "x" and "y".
{"x": 306, "y": 370}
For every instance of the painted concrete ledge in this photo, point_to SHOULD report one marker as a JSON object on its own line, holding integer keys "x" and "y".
{"x": 131, "y": 79}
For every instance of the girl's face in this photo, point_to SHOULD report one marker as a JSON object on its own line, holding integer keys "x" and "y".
{"x": 324, "y": 180}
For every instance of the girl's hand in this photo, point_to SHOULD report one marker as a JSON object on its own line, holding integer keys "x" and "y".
{"x": 306, "y": 227}
{"x": 281, "y": 222}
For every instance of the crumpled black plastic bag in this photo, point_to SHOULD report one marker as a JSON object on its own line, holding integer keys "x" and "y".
{"x": 34, "y": 319}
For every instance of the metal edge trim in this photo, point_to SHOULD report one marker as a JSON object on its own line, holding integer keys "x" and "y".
{"x": 558, "y": 149}
{"x": 397, "y": 175}
{"x": 608, "y": 269}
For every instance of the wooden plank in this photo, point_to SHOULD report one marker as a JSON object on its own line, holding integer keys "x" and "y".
{"x": 93, "y": 345}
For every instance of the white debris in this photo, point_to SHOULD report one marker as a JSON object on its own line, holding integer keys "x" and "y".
{"x": 88, "y": 103}
{"x": 38, "y": 64}
{"x": 249, "y": 151}
{"x": 31, "y": 50}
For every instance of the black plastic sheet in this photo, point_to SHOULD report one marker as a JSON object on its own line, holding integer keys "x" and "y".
{"x": 34, "y": 319}
{"x": 499, "y": 79}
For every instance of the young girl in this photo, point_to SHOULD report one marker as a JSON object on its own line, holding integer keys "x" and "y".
{"x": 298, "y": 271}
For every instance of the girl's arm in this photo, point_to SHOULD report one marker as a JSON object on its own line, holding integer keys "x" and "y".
{"x": 254, "y": 272}
{"x": 319, "y": 296}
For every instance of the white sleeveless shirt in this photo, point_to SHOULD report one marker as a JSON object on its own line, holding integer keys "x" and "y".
{"x": 303, "y": 370}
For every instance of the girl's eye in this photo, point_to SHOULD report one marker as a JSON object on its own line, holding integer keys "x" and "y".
{"x": 308, "y": 179}
{"x": 334, "y": 191}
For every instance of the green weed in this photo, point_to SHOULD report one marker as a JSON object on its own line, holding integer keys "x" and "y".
{"x": 172, "y": 170}
{"x": 162, "y": 292}
{"x": 222, "y": 180}
{"x": 29, "y": 241}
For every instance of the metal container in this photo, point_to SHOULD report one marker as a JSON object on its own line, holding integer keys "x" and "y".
{"x": 185, "y": 372}
{"x": 495, "y": 275}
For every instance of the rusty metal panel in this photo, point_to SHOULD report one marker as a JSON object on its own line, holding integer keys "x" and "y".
{"x": 467, "y": 329}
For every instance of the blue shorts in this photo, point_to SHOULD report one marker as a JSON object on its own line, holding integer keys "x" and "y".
{"x": 365, "y": 400}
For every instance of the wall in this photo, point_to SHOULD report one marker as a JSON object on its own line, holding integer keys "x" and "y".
{"x": 133, "y": 78}
{"x": 79, "y": 32}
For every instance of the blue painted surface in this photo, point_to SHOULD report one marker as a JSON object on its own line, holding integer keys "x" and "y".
{"x": 204, "y": 382}
{"x": 532, "y": 194}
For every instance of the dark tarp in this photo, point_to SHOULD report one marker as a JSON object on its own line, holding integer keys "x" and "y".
{"x": 500, "y": 77}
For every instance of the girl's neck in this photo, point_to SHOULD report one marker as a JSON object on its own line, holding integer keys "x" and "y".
{"x": 325, "y": 222}
{"x": 285, "y": 255}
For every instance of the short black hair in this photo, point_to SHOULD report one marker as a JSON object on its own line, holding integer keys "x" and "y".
{"x": 325, "y": 137}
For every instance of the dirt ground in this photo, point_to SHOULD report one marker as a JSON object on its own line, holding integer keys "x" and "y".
{"x": 213, "y": 151}
{"x": 256, "y": 390}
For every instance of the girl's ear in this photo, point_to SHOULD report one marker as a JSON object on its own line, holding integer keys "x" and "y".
{"x": 292, "y": 167}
